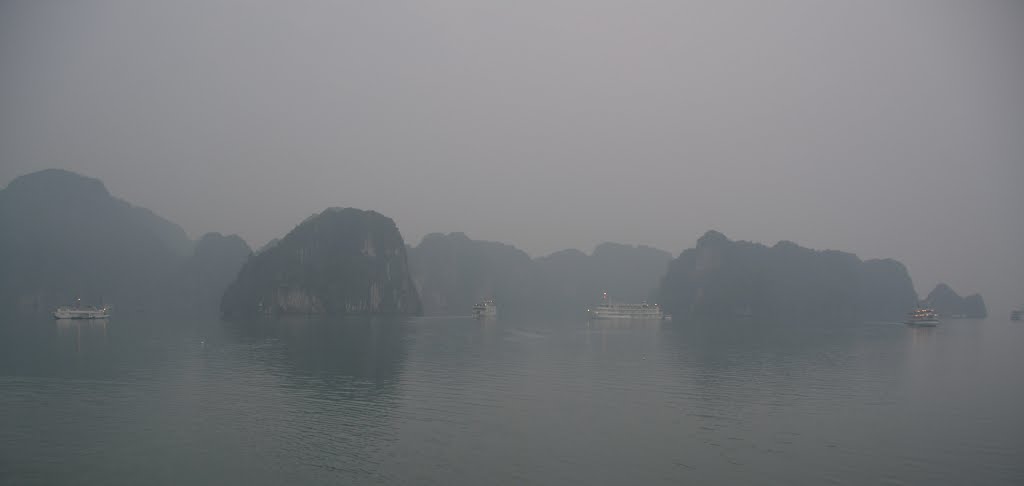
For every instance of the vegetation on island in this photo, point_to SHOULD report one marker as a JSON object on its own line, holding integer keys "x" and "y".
{"x": 341, "y": 261}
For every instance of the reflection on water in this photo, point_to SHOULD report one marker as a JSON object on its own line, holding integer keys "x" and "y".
{"x": 74, "y": 334}
{"x": 464, "y": 401}
{"x": 370, "y": 349}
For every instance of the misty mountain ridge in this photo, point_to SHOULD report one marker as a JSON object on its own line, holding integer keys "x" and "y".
{"x": 573, "y": 281}
{"x": 63, "y": 236}
{"x": 202, "y": 279}
{"x": 453, "y": 272}
{"x": 65, "y": 197}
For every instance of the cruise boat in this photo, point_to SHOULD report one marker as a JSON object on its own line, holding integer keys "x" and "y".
{"x": 609, "y": 310}
{"x": 77, "y": 311}
{"x": 486, "y": 308}
{"x": 1017, "y": 314}
{"x": 922, "y": 317}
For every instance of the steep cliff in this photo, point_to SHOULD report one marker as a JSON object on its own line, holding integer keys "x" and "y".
{"x": 341, "y": 261}
{"x": 886, "y": 289}
{"x": 724, "y": 278}
{"x": 950, "y": 304}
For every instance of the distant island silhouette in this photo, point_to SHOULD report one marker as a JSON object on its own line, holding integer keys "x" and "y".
{"x": 63, "y": 236}
{"x": 722, "y": 278}
{"x": 948, "y": 303}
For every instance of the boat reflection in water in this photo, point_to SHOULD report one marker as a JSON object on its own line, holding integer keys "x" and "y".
{"x": 82, "y": 334}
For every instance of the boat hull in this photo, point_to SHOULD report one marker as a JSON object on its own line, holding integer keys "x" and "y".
{"x": 623, "y": 317}
{"x": 929, "y": 323}
{"x": 78, "y": 314}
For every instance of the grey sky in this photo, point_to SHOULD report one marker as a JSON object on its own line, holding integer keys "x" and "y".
{"x": 885, "y": 128}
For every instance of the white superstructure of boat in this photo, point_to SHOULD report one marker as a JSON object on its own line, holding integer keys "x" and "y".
{"x": 610, "y": 310}
{"x": 923, "y": 317}
{"x": 77, "y": 311}
{"x": 486, "y": 308}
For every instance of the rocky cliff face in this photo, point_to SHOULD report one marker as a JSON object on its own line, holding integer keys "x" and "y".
{"x": 723, "y": 278}
{"x": 949, "y": 304}
{"x": 886, "y": 289}
{"x": 341, "y": 261}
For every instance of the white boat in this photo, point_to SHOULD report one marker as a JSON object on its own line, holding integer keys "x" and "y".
{"x": 609, "y": 310}
{"x": 486, "y": 308}
{"x": 77, "y": 311}
{"x": 922, "y": 317}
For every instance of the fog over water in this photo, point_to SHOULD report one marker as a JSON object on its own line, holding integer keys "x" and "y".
{"x": 885, "y": 129}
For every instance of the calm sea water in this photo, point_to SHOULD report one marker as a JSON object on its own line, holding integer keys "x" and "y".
{"x": 453, "y": 401}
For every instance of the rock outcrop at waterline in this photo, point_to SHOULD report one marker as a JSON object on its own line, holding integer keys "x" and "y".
{"x": 341, "y": 261}
{"x": 723, "y": 278}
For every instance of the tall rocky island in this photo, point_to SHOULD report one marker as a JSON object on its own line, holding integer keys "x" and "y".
{"x": 723, "y": 278}
{"x": 341, "y": 261}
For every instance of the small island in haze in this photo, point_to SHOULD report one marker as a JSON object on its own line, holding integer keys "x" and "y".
{"x": 950, "y": 304}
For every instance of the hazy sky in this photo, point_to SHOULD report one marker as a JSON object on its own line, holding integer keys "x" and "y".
{"x": 890, "y": 129}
